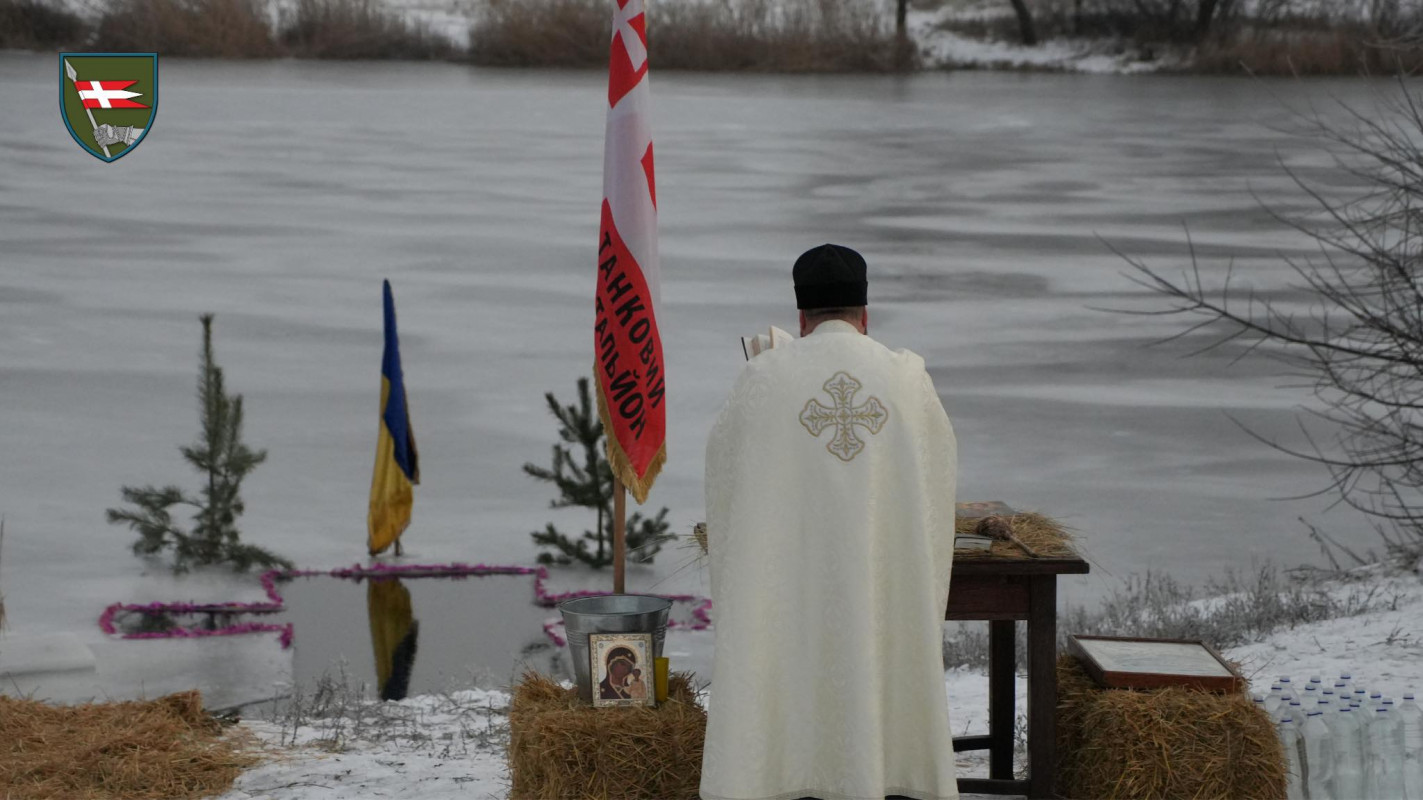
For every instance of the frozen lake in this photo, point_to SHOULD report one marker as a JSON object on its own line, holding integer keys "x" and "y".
{"x": 279, "y": 194}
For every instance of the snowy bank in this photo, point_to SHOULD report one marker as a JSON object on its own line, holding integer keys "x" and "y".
{"x": 452, "y": 745}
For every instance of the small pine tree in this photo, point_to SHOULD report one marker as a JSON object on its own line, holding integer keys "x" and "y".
{"x": 225, "y": 461}
{"x": 590, "y": 485}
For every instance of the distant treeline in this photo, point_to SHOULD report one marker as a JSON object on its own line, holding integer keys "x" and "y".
{"x": 356, "y": 29}
{"x": 1336, "y": 37}
{"x": 766, "y": 35}
{"x": 1259, "y": 36}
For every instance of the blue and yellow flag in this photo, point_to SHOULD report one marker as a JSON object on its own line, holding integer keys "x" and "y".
{"x": 397, "y": 463}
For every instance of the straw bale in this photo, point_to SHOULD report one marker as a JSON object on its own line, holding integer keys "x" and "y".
{"x": 1162, "y": 743}
{"x": 164, "y": 749}
{"x": 1046, "y": 537}
{"x": 561, "y": 748}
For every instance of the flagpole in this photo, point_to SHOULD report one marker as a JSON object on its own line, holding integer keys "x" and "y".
{"x": 74, "y": 78}
{"x": 619, "y": 533}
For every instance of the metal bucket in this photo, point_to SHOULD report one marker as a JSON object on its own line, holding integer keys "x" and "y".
{"x": 613, "y": 613}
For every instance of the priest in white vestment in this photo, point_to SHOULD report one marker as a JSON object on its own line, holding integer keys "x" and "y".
{"x": 830, "y": 482}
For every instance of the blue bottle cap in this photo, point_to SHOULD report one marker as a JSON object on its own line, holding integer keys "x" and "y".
{"x": 1312, "y": 714}
{"x": 1408, "y": 696}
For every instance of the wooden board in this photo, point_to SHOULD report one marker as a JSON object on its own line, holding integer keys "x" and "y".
{"x": 1123, "y": 662}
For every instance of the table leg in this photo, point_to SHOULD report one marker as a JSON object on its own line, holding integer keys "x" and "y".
{"x": 1042, "y": 685}
{"x": 1002, "y": 706}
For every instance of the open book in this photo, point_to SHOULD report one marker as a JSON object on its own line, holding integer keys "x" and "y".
{"x": 752, "y": 346}
{"x": 977, "y": 511}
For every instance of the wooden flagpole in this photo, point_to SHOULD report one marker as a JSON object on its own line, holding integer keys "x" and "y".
{"x": 619, "y": 533}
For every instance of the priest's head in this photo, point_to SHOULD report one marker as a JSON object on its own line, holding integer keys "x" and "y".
{"x": 830, "y": 284}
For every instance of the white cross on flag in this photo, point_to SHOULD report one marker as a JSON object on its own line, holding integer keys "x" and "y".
{"x": 107, "y": 94}
{"x": 626, "y": 343}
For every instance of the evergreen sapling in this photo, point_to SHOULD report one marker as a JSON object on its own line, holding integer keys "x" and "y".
{"x": 224, "y": 460}
{"x": 590, "y": 485}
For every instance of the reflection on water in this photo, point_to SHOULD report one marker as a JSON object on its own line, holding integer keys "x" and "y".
{"x": 481, "y": 631}
{"x": 394, "y": 631}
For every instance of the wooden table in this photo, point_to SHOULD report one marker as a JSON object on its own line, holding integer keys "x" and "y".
{"x": 1002, "y": 591}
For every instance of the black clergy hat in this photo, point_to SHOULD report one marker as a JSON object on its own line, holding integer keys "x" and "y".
{"x": 830, "y": 276}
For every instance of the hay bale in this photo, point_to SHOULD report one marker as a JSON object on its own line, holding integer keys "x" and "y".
{"x": 1162, "y": 743}
{"x": 163, "y": 749}
{"x": 560, "y": 748}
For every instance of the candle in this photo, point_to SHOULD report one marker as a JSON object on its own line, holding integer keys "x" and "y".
{"x": 659, "y": 669}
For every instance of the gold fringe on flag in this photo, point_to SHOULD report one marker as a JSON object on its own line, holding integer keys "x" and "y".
{"x": 621, "y": 464}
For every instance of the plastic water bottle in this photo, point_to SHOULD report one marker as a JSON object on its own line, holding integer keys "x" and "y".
{"x": 1375, "y": 700}
{"x": 1309, "y": 698}
{"x": 1385, "y": 773}
{"x": 1273, "y": 699}
{"x": 1318, "y": 757}
{"x": 1259, "y": 703}
{"x": 1328, "y": 694}
{"x": 1361, "y": 695}
{"x": 1411, "y": 718}
{"x": 1348, "y": 756}
{"x": 1289, "y": 710}
{"x": 1288, "y": 689}
{"x": 1290, "y": 739}
{"x": 1347, "y": 680}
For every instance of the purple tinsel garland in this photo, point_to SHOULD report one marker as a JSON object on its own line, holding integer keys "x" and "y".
{"x": 358, "y": 572}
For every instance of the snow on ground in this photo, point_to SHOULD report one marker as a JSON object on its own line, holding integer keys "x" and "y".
{"x": 449, "y": 746}
{"x": 1382, "y": 650}
{"x": 945, "y": 48}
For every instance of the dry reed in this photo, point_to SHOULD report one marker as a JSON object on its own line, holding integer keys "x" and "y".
{"x": 1338, "y": 50}
{"x": 215, "y": 28}
{"x": 559, "y": 747}
{"x": 1162, "y": 743}
{"x": 164, "y": 749}
{"x": 355, "y": 29}
{"x": 721, "y": 35}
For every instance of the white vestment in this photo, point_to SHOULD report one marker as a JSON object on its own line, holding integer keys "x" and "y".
{"x": 830, "y": 482}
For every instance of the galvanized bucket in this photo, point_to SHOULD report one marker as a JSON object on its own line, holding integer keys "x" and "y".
{"x": 613, "y": 613}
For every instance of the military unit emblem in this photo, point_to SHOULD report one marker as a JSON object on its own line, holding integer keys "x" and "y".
{"x": 108, "y": 100}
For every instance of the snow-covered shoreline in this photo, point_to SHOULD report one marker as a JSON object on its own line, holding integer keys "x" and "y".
{"x": 447, "y": 746}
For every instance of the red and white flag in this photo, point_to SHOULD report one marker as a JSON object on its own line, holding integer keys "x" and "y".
{"x": 108, "y": 94}
{"x": 628, "y": 349}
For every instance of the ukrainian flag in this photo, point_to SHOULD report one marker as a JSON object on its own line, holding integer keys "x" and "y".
{"x": 397, "y": 464}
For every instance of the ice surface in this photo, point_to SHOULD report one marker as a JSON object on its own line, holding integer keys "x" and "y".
{"x": 52, "y": 652}
{"x": 278, "y": 194}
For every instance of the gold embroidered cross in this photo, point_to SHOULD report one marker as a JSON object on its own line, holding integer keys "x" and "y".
{"x": 871, "y": 416}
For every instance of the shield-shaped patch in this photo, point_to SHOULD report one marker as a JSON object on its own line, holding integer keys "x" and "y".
{"x": 108, "y": 100}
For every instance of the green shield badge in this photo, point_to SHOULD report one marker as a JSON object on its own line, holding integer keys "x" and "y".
{"x": 108, "y": 100}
